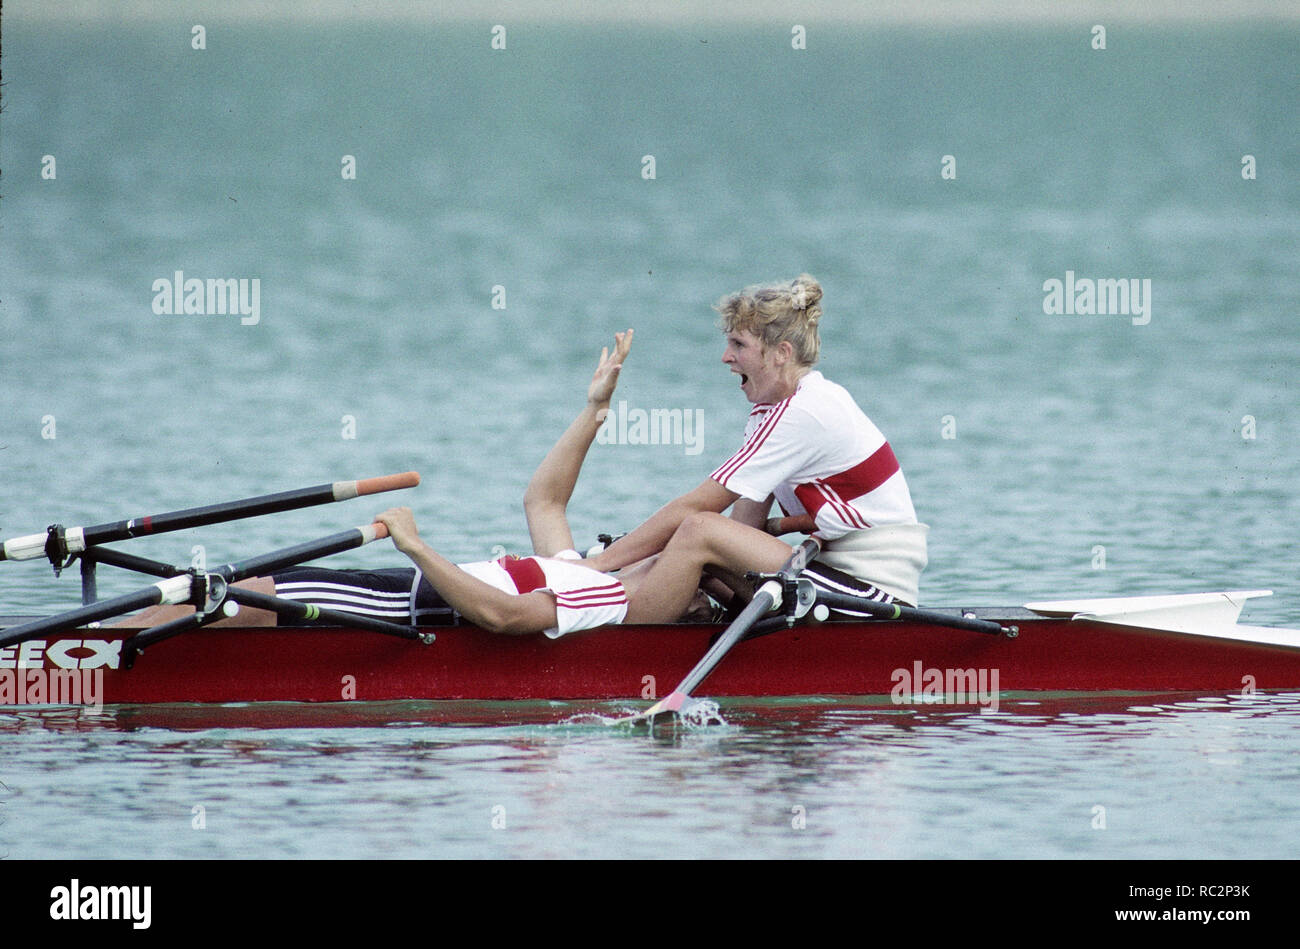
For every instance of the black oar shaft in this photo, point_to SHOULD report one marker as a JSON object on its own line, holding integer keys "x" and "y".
{"x": 888, "y": 611}
{"x": 301, "y": 553}
{"x": 208, "y": 514}
{"x": 79, "y": 538}
{"x": 117, "y": 558}
{"x": 174, "y": 590}
{"x": 249, "y": 507}
{"x": 295, "y": 610}
{"x": 177, "y": 589}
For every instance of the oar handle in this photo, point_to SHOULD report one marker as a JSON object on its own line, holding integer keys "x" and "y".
{"x": 394, "y": 482}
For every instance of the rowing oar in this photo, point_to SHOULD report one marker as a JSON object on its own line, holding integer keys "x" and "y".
{"x": 57, "y": 543}
{"x": 171, "y": 591}
{"x": 192, "y": 587}
{"x": 888, "y": 611}
{"x": 307, "y": 613}
{"x": 767, "y": 597}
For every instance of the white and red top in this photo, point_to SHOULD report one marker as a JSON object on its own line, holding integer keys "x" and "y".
{"x": 819, "y": 454}
{"x": 584, "y": 598}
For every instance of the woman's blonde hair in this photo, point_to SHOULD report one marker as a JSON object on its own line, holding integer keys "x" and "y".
{"x": 778, "y": 311}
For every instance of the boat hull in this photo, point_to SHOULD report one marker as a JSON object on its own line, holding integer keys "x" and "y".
{"x": 645, "y": 662}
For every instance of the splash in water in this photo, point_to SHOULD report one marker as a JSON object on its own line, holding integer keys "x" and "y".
{"x": 700, "y": 713}
{"x": 695, "y": 713}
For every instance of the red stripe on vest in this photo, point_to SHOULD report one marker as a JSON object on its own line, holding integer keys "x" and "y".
{"x": 732, "y": 464}
{"x": 526, "y": 574}
{"x": 862, "y": 478}
{"x": 591, "y": 599}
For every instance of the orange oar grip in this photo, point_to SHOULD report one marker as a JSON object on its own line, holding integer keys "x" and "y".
{"x": 393, "y": 482}
{"x": 372, "y": 532}
{"x": 345, "y": 490}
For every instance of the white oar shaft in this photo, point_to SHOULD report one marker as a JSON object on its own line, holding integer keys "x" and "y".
{"x": 767, "y": 598}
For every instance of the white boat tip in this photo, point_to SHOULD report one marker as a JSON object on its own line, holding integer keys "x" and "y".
{"x": 1109, "y": 606}
{"x": 1202, "y": 614}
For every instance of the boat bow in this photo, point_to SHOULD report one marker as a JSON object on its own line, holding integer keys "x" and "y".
{"x": 1200, "y": 614}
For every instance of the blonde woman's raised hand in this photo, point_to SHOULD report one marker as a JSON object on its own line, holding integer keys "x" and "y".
{"x": 605, "y": 378}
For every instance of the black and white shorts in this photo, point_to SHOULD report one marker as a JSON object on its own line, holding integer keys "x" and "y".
{"x": 402, "y": 595}
{"x": 399, "y": 595}
{"x": 837, "y": 581}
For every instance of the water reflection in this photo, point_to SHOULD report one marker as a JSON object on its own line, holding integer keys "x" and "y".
{"x": 1045, "y": 775}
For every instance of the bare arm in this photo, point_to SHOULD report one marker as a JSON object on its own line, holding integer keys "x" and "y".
{"x": 481, "y": 603}
{"x": 753, "y": 513}
{"x": 795, "y": 524}
{"x": 652, "y": 536}
{"x": 547, "y": 497}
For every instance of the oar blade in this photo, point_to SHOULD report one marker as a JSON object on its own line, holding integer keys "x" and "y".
{"x": 674, "y": 708}
{"x": 667, "y": 706}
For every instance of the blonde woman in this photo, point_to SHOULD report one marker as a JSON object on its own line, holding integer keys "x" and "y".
{"x": 808, "y": 448}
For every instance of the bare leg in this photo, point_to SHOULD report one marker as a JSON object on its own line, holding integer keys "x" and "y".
{"x": 703, "y": 539}
{"x": 726, "y": 584}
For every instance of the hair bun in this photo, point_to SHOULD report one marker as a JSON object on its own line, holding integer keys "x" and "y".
{"x": 786, "y": 310}
{"x": 805, "y": 291}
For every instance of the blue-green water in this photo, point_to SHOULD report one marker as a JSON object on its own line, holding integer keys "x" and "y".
{"x": 1039, "y": 447}
{"x": 1120, "y": 778}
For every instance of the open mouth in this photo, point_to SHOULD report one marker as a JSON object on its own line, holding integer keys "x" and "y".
{"x": 743, "y": 378}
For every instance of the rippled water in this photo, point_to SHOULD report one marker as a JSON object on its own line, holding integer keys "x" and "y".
{"x": 1048, "y": 776}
